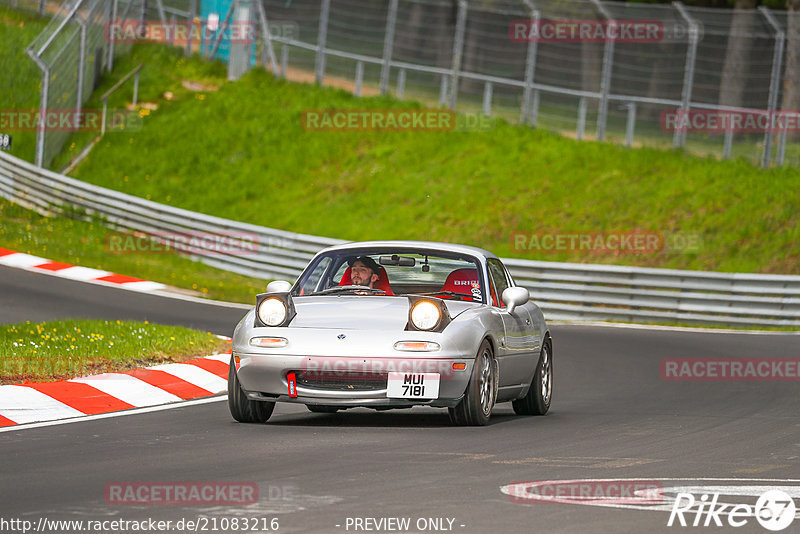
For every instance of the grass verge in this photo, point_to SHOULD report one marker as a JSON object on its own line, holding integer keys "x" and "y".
{"x": 86, "y": 244}
{"x": 59, "y": 350}
{"x": 238, "y": 150}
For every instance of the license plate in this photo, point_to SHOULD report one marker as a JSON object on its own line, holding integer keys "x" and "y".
{"x": 413, "y": 386}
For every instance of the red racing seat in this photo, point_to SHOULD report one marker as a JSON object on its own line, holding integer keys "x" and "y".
{"x": 461, "y": 281}
{"x": 381, "y": 283}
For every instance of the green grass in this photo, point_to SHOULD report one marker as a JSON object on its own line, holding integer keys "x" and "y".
{"x": 58, "y": 350}
{"x": 86, "y": 243}
{"x": 241, "y": 153}
{"x": 20, "y": 78}
{"x": 160, "y": 80}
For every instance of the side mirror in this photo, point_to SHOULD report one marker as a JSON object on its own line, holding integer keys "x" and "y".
{"x": 279, "y": 286}
{"x": 515, "y": 296}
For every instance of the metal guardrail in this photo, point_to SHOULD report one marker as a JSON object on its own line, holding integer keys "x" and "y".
{"x": 563, "y": 290}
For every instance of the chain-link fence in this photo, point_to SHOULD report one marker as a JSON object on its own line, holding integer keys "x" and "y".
{"x": 703, "y": 78}
{"x": 72, "y": 53}
{"x": 658, "y": 75}
{"x": 34, "y": 6}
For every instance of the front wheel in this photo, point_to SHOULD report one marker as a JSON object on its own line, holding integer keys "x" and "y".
{"x": 243, "y": 409}
{"x": 475, "y": 408}
{"x": 537, "y": 400}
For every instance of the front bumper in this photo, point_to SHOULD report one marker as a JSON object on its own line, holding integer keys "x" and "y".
{"x": 263, "y": 377}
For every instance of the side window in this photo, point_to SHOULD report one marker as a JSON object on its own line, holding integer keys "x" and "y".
{"x": 499, "y": 281}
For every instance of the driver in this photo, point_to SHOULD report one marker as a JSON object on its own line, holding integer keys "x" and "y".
{"x": 364, "y": 271}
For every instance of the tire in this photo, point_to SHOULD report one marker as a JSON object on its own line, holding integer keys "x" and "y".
{"x": 319, "y": 408}
{"x": 243, "y": 409}
{"x": 475, "y": 408}
{"x": 537, "y": 400}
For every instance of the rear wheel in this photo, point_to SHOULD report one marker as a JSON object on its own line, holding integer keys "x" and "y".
{"x": 475, "y": 408}
{"x": 319, "y": 408}
{"x": 537, "y": 400}
{"x": 243, "y": 409}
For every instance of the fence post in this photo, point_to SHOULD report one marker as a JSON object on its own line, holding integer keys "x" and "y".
{"x": 774, "y": 83}
{"x": 487, "y": 98}
{"x": 359, "y": 77}
{"x": 268, "y": 50}
{"x": 114, "y": 15}
{"x": 81, "y": 65}
{"x": 608, "y": 64}
{"x": 581, "y": 127}
{"x": 284, "y": 59}
{"x": 105, "y": 113}
{"x": 192, "y": 16}
{"x": 388, "y": 45}
{"x": 530, "y": 66}
{"x": 136, "y": 88}
{"x": 631, "y": 123}
{"x": 728, "y": 146}
{"x": 782, "y": 144}
{"x": 534, "y": 116}
{"x": 458, "y": 50}
{"x": 679, "y": 137}
{"x": 319, "y": 67}
{"x": 41, "y": 132}
{"x": 443, "y": 91}
{"x": 401, "y": 83}
{"x": 42, "y": 7}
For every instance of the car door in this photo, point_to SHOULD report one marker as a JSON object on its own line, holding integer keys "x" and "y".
{"x": 520, "y": 342}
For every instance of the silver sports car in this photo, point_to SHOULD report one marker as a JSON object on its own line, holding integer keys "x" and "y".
{"x": 394, "y": 324}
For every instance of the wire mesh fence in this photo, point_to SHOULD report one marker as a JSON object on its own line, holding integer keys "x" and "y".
{"x": 722, "y": 73}
{"x": 34, "y": 6}
{"x": 719, "y": 82}
{"x": 73, "y": 51}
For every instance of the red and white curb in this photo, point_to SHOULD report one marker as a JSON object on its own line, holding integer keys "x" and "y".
{"x": 112, "y": 392}
{"x": 28, "y": 262}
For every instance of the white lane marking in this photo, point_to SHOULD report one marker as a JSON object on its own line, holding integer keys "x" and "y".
{"x": 82, "y": 273}
{"x": 24, "y": 405}
{"x": 698, "y": 329}
{"x": 144, "y": 285}
{"x": 746, "y": 491}
{"x": 158, "y": 292}
{"x": 22, "y": 260}
{"x": 135, "y": 411}
{"x": 224, "y": 358}
{"x": 194, "y": 375}
{"x": 517, "y": 489}
{"x": 128, "y": 389}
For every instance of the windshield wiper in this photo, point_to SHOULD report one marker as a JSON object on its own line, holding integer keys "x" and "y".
{"x": 342, "y": 289}
{"x": 449, "y": 294}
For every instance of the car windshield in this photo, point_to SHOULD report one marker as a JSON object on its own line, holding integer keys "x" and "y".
{"x": 396, "y": 272}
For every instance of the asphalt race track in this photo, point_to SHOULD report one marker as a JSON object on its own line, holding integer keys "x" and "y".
{"x": 35, "y": 297}
{"x": 612, "y": 417}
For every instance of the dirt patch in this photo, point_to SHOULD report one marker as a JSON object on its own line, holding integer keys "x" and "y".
{"x": 303, "y": 76}
{"x": 5, "y": 21}
{"x": 198, "y": 86}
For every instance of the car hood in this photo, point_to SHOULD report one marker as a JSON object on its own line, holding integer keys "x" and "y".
{"x": 359, "y": 312}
